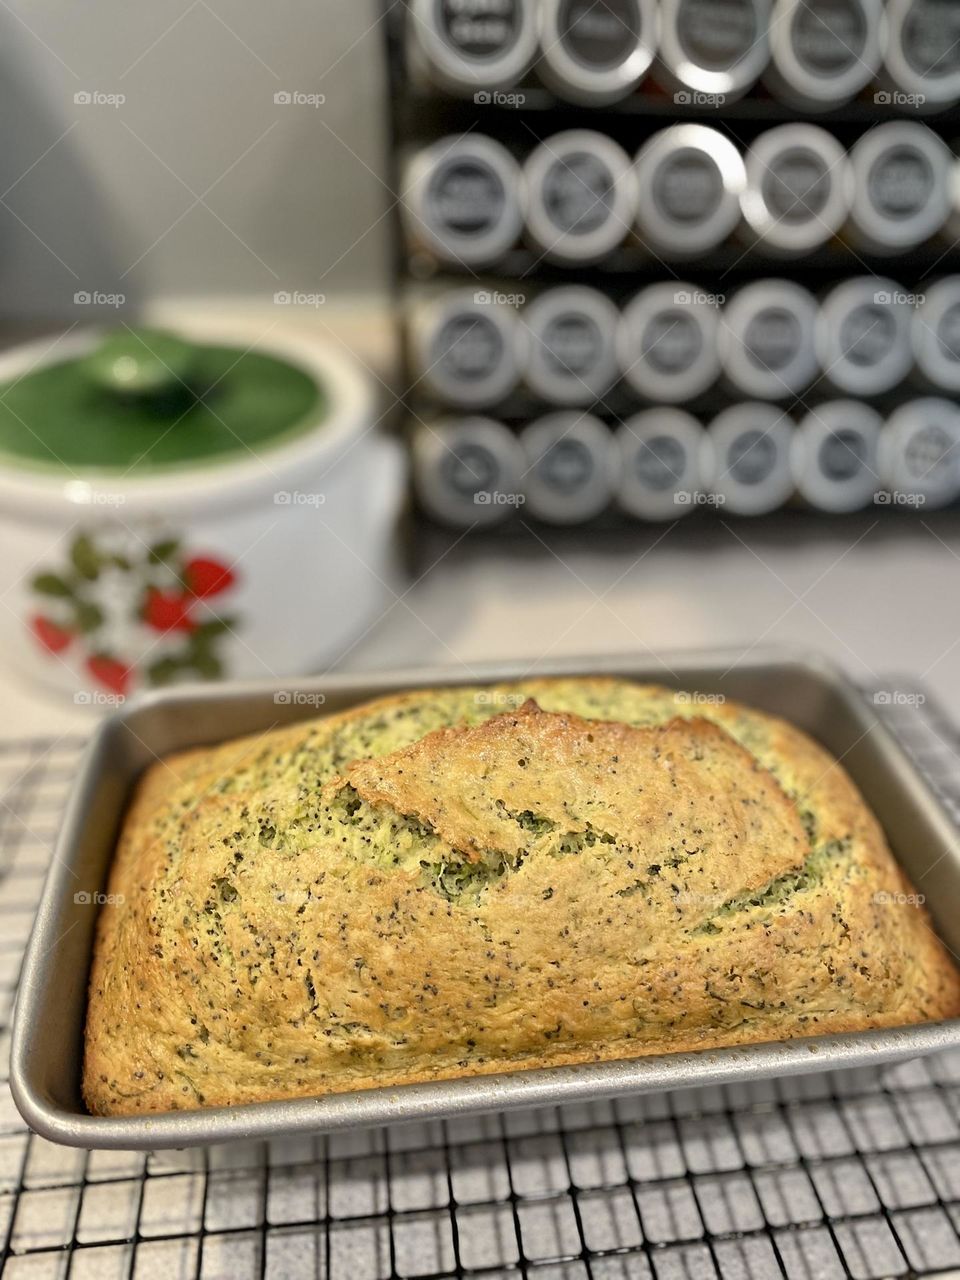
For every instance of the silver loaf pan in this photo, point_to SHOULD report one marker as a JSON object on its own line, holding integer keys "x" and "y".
{"x": 48, "y": 1028}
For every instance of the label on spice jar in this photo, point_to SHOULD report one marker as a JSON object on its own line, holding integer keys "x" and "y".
{"x": 716, "y": 34}
{"x": 600, "y": 34}
{"x": 479, "y": 28}
{"x": 466, "y": 197}
{"x": 829, "y": 36}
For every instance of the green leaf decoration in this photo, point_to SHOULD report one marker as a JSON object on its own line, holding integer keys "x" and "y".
{"x": 163, "y": 552}
{"x": 89, "y": 616}
{"x": 212, "y": 627}
{"x": 207, "y": 665}
{"x": 85, "y": 558}
{"x": 163, "y": 671}
{"x": 51, "y": 584}
{"x": 120, "y": 562}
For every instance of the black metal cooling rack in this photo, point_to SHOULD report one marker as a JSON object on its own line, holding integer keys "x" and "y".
{"x": 846, "y": 1176}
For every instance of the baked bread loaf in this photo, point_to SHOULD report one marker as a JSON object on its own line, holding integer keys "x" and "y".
{"x": 470, "y": 880}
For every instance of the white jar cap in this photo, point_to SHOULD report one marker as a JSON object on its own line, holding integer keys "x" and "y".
{"x": 478, "y": 47}
{"x": 660, "y": 457}
{"x": 920, "y": 452}
{"x": 799, "y": 188}
{"x": 923, "y": 50}
{"x": 716, "y": 47}
{"x": 766, "y": 339}
{"x": 570, "y": 348}
{"x": 863, "y": 335}
{"x": 904, "y": 180}
{"x": 833, "y": 456}
{"x": 568, "y": 473}
{"x": 823, "y": 52}
{"x": 746, "y": 455}
{"x": 667, "y": 342}
{"x": 462, "y": 199}
{"x": 936, "y": 335}
{"x": 466, "y": 347}
{"x": 580, "y": 195}
{"x": 689, "y": 181}
{"x": 467, "y": 470}
{"x": 596, "y": 51}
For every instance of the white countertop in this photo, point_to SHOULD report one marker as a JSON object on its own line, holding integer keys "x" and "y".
{"x": 876, "y": 593}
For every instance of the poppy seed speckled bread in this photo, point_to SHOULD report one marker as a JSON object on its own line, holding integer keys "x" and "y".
{"x": 459, "y": 881}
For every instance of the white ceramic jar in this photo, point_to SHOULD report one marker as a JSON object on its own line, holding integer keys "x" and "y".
{"x": 254, "y": 566}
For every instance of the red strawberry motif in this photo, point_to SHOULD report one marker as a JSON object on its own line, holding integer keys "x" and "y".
{"x": 54, "y": 638}
{"x": 109, "y": 672}
{"x": 168, "y": 610}
{"x": 205, "y": 577}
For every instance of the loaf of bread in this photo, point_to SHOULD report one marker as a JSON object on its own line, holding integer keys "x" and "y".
{"x": 460, "y": 881}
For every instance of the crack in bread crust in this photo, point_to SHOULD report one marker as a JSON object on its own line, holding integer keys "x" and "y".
{"x": 461, "y": 881}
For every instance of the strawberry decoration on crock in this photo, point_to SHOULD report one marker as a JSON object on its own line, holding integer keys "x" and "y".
{"x": 204, "y": 577}
{"x": 131, "y": 613}
{"x": 110, "y": 673}
{"x": 50, "y": 635}
{"x": 168, "y": 610}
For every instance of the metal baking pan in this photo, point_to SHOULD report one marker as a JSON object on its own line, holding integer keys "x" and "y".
{"x": 51, "y": 1003}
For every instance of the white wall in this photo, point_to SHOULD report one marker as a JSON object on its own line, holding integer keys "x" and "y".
{"x": 96, "y": 197}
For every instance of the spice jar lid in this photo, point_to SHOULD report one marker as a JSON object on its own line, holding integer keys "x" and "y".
{"x": 863, "y": 335}
{"x": 716, "y": 47}
{"x": 596, "y": 51}
{"x": 799, "y": 188}
{"x": 660, "y": 454}
{"x": 766, "y": 339}
{"x": 472, "y": 45}
{"x": 467, "y": 470}
{"x": 746, "y": 454}
{"x": 922, "y": 56}
{"x": 936, "y": 334}
{"x": 465, "y": 347}
{"x": 904, "y": 180}
{"x": 834, "y": 455}
{"x": 919, "y": 452}
{"x": 580, "y": 195}
{"x": 667, "y": 342}
{"x": 689, "y": 181}
{"x": 571, "y": 355}
{"x": 568, "y": 474}
{"x": 462, "y": 199}
{"x": 823, "y": 52}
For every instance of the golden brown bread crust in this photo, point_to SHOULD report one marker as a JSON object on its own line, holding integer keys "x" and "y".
{"x": 457, "y": 882}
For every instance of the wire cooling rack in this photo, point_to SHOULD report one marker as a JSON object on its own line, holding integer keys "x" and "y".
{"x": 848, "y": 1175}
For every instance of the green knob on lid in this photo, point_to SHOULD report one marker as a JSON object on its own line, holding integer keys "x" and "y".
{"x": 141, "y": 362}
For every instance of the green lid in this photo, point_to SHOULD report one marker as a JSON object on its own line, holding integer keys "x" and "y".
{"x": 144, "y": 401}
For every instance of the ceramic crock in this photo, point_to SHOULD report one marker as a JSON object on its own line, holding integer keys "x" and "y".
{"x": 265, "y": 564}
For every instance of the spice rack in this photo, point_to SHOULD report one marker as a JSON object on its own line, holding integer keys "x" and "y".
{"x": 520, "y": 118}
